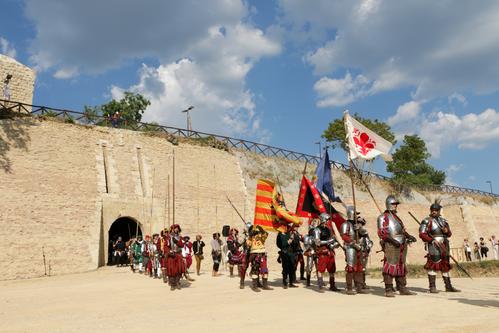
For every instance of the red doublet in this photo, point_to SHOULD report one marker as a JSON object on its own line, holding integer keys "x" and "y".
{"x": 174, "y": 262}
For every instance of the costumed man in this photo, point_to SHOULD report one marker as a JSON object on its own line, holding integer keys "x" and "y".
{"x": 350, "y": 233}
{"x": 175, "y": 266}
{"x": 435, "y": 232}
{"x": 366, "y": 244}
{"x": 137, "y": 254}
{"x": 394, "y": 241}
{"x": 298, "y": 250}
{"x": 310, "y": 250}
{"x": 258, "y": 257}
{"x": 286, "y": 242}
{"x": 325, "y": 244}
{"x": 146, "y": 252}
{"x": 154, "y": 257}
{"x": 245, "y": 254}
{"x": 164, "y": 250}
{"x": 187, "y": 257}
{"x": 234, "y": 252}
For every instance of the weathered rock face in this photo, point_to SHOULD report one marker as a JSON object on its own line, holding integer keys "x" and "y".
{"x": 22, "y": 82}
{"x": 62, "y": 187}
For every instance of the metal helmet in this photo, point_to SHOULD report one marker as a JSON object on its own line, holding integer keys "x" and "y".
{"x": 435, "y": 206}
{"x": 350, "y": 213}
{"x": 324, "y": 217}
{"x": 391, "y": 200}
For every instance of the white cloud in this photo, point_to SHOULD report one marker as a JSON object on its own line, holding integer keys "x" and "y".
{"x": 66, "y": 73}
{"x": 6, "y": 48}
{"x": 406, "y": 112}
{"x": 458, "y": 98}
{"x": 435, "y": 47}
{"x": 205, "y": 52}
{"x": 470, "y": 131}
{"x": 339, "y": 92}
{"x": 213, "y": 80}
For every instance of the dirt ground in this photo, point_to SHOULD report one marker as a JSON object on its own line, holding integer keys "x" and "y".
{"x": 113, "y": 299}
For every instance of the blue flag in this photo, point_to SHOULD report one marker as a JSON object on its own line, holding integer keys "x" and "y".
{"x": 324, "y": 178}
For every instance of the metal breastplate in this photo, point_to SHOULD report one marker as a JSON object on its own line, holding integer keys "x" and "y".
{"x": 173, "y": 246}
{"x": 394, "y": 227}
{"x": 347, "y": 229}
{"x": 434, "y": 226}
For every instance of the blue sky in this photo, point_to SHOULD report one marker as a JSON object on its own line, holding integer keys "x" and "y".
{"x": 278, "y": 71}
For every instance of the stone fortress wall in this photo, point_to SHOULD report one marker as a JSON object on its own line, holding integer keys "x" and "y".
{"x": 62, "y": 186}
{"x": 22, "y": 82}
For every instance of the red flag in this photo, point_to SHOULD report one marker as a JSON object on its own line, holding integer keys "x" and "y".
{"x": 309, "y": 200}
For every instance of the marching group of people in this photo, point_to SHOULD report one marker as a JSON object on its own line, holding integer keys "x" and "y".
{"x": 168, "y": 255}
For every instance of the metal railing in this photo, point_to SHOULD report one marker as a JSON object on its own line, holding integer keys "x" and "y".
{"x": 229, "y": 142}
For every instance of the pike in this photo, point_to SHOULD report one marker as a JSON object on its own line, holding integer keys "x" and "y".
{"x": 242, "y": 219}
{"x": 461, "y": 268}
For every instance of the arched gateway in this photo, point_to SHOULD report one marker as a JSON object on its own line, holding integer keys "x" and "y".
{"x": 124, "y": 227}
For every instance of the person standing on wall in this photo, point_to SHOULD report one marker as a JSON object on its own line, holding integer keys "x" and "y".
{"x": 467, "y": 249}
{"x": 495, "y": 247}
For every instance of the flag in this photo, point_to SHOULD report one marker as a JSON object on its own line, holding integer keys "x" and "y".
{"x": 268, "y": 213}
{"x": 336, "y": 217}
{"x": 324, "y": 178}
{"x": 364, "y": 143}
{"x": 309, "y": 204}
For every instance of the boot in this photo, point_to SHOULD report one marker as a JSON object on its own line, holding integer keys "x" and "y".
{"x": 291, "y": 285}
{"x": 231, "y": 270}
{"x": 349, "y": 281}
{"x": 308, "y": 280}
{"x": 403, "y": 289}
{"x": 432, "y": 283}
{"x": 188, "y": 277}
{"x": 302, "y": 273}
{"x": 254, "y": 285}
{"x": 359, "y": 283}
{"x": 448, "y": 285}
{"x": 258, "y": 283}
{"x": 320, "y": 283}
{"x": 241, "y": 282}
{"x": 332, "y": 285}
{"x": 177, "y": 283}
{"x": 389, "y": 291}
{"x": 284, "y": 282}
{"x": 165, "y": 277}
{"x": 364, "y": 284}
{"x": 265, "y": 286}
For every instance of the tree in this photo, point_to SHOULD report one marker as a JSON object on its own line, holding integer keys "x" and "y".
{"x": 336, "y": 134}
{"x": 131, "y": 107}
{"x": 409, "y": 164}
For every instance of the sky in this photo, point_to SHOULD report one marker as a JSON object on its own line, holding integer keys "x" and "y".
{"x": 278, "y": 71}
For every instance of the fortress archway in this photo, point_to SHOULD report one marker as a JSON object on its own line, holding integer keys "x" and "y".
{"x": 125, "y": 227}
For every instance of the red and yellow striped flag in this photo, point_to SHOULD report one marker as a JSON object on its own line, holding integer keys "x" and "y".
{"x": 268, "y": 214}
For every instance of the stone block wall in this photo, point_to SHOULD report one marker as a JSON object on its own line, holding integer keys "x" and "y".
{"x": 22, "y": 83}
{"x": 62, "y": 186}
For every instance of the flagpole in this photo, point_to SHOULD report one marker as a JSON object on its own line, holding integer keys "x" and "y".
{"x": 351, "y": 177}
{"x": 173, "y": 190}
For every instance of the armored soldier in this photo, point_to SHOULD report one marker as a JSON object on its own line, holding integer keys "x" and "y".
{"x": 350, "y": 233}
{"x": 366, "y": 244}
{"x": 258, "y": 257}
{"x": 245, "y": 255}
{"x": 435, "y": 232}
{"x": 235, "y": 254}
{"x": 154, "y": 258}
{"x": 321, "y": 245}
{"x": 394, "y": 242}
{"x": 146, "y": 249}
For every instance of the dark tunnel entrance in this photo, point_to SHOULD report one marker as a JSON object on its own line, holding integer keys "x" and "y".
{"x": 124, "y": 227}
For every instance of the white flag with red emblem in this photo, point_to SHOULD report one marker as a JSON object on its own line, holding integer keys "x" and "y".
{"x": 364, "y": 143}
